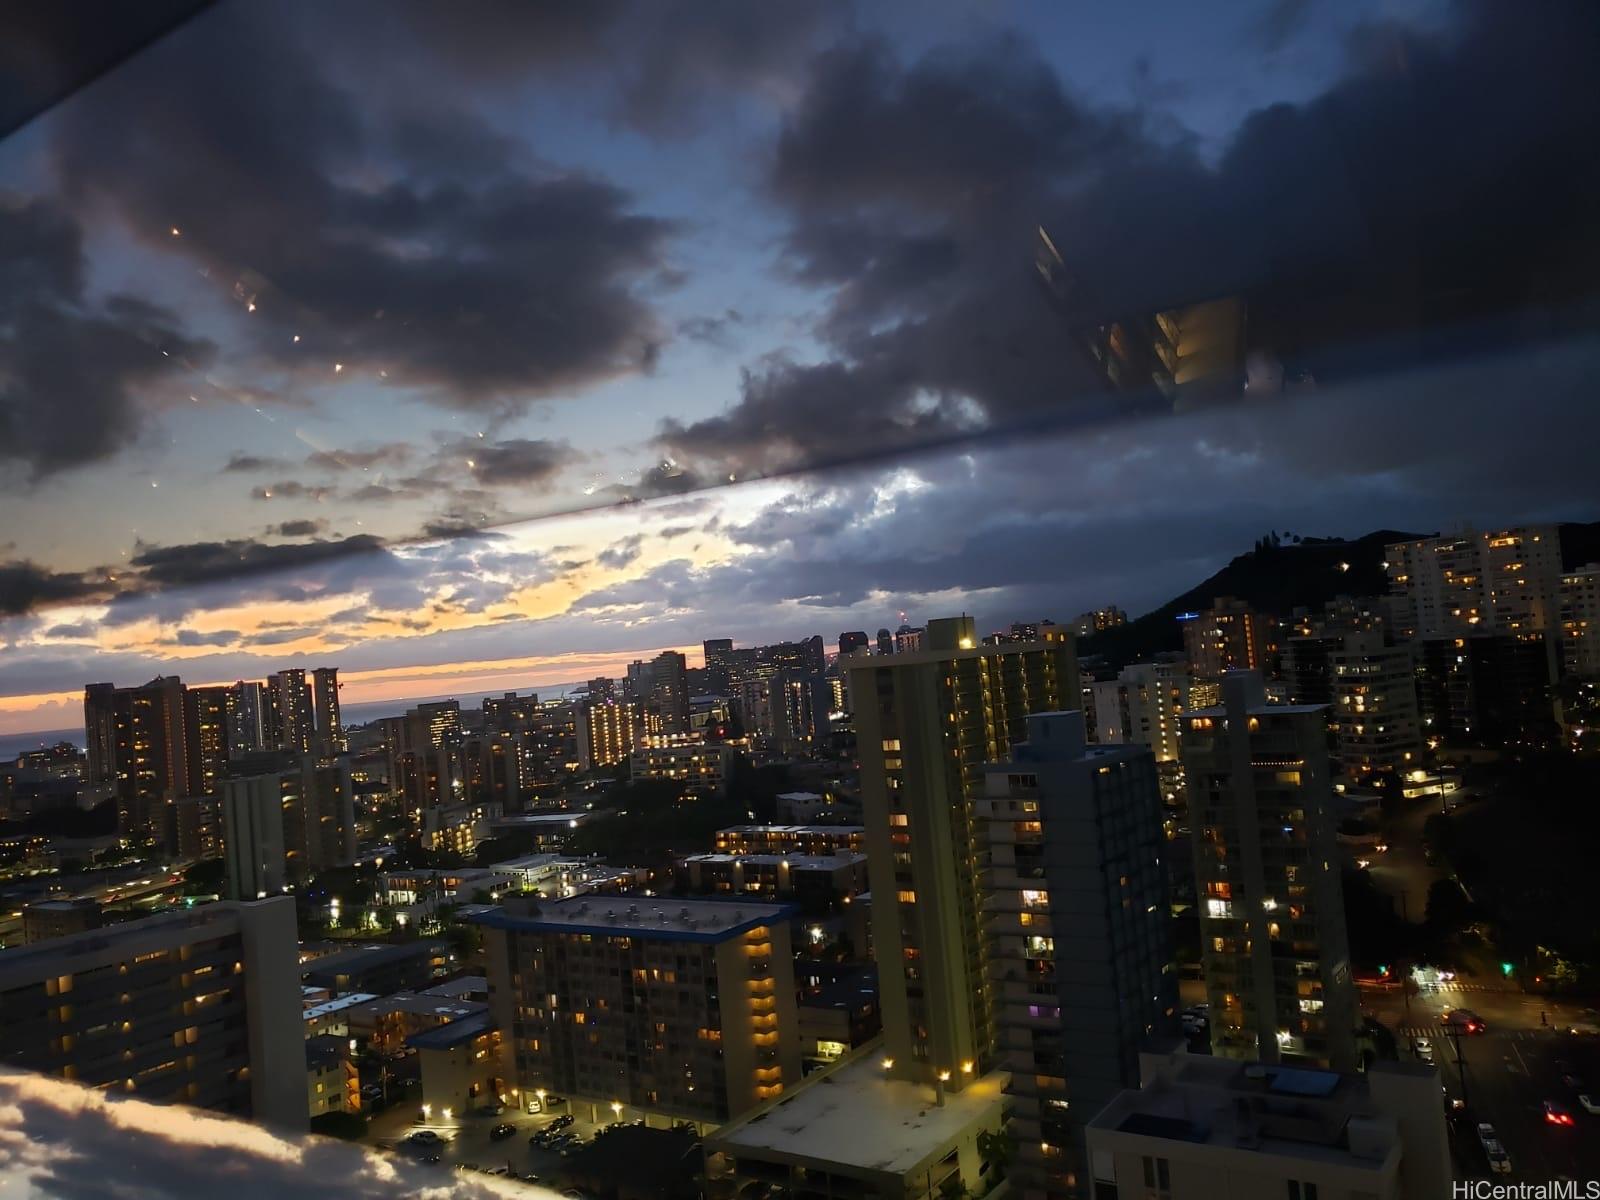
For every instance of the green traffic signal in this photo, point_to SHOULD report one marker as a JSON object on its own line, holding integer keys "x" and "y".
{"x": 1505, "y": 968}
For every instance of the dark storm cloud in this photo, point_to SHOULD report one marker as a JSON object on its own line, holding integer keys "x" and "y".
{"x": 194, "y": 637}
{"x": 71, "y": 368}
{"x": 667, "y": 64}
{"x": 299, "y": 529}
{"x": 26, "y": 585}
{"x": 526, "y": 462}
{"x": 488, "y": 291}
{"x": 211, "y": 562}
{"x": 1366, "y": 228}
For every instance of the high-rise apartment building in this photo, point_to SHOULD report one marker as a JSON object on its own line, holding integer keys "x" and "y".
{"x": 200, "y": 1006}
{"x": 1229, "y": 636}
{"x": 1143, "y": 705}
{"x": 325, "y": 704}
{"x": 1580, "y": 622}
{"x": 284, "y": 816}
{"x": 1080, "y": 963}
{"x": 248, "y": 707}
{"x": 853, "y": 640}
{"x": 605, "y": 728}
{"x": 138, "y": 743}
{"x": 206, "y": 737}
{"x": 1504, "y": 580}
{"x": 1272, "y": 930}
{"x": 677, "y": 1007}
{"x": 719, "y": 663}
{"x": 295, "y": 718}
{"x": 1377, "y": 729}
{"x": 1486, "y": 689}
{"x": 927, "y": 724}
{"x": 669, "y": 690}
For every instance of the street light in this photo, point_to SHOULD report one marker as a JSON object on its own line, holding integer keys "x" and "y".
{"x": 447, "y": 1114}
{"x": 616, "y": 1108}
{"x": 427, "y": 1111}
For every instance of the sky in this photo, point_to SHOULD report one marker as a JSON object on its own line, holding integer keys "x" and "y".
{"x": 484, "y": 344}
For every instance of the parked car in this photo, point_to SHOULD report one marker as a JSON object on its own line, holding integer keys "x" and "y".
{"x": 501, "y": 1132}
{"x": 491, "y": 1110}
{"x": 424, "y": 1137}
{"x": 562, "y": 1121}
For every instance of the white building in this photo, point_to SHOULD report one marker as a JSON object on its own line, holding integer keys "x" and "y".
{"x": 1506, "y": 580}
{"x": 1204, "y": 1128}
{"x": 1143, "y": 706}
{"x": 701, "y": 767}
{"x": 1376, "y": 722}
{"x": 1580, "y": 622}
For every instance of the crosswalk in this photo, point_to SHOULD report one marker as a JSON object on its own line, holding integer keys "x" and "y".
{"x": 1439, "y": 1033}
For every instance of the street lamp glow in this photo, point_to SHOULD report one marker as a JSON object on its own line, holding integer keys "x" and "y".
{"x": 447, "y": 1114}
{"x": 427, "y": 1111}
{"x": 616, "y": 1108}
{"x": 888, "y": 1063}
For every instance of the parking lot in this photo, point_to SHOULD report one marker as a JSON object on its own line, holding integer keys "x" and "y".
{"x": 466, "y": 1143}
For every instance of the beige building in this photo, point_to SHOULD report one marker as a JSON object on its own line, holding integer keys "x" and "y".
{"x": 460, "y": 1065}
{"x": 927, "y": 724}
{"x": 1229, "y": 636}
{"x": 857, "y": 1131}
{"x": 701, "y": 767}
{"x": 605, "y": 729}
{"x": 682, "y": 1008}
{"x": 196, "y": 1007}
{"x": 1272, "y": 931}
{"x": 1203, "y": 1128}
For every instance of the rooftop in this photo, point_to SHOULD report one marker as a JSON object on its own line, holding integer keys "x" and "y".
{"x": 1290, "y": 1111}
{"x": 467, "y": 985}
{"x": 856, "y": 1116}
{"x": 551, "y": 819}
{"x": 796, "y": 829}
{"x": 372, "y": 955}
{"x": 798, "y": 862}
{"x": 453, "y": 1033}
{"x": 665, "y": 919}
{"x": 329, "y": 1007}
{"x": 419, "y": 1004}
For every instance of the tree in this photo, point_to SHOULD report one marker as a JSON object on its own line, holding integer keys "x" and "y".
{"x": 996, "y": 1148}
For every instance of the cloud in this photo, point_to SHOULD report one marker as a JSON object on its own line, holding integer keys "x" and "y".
{"x": 291, "y": 489}
{"x": 299, "y": 529}
{"x": 620, "y": 554}
{"x": 72, "y": 369}
{"x": 1363, "y": 231}
{"x": 486, "y": 291}
{"x": 73, "y": 1143}
{"x": 253, "y": 462}
{"x": 211, "y": 562}
{"x": 390, "y": 454}
{"x": 194, "y": 637}
{"x": 525, "y": 462}
{"x": 26, "y": 585}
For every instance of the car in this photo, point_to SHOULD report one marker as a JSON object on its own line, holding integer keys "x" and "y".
{"x": 1465, "y": 1019}
{"x": 1590, "y": 1103}
{"x": 1499, "y": 1160}
{"x": 562, "y": 1121}
{"x": 501, "y": 1132}
{"x": 1555, "y": 1114}
{"x": 554, "y": 1101}
{"x": 431, "y": 1156}
{"x": 1486, "y": 1132}
{"x": 491, "y": 1110}
{"x": 1572, "y": 1080}
{"x": 424, "y": 1137}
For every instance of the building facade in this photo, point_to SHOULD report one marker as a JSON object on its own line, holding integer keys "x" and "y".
{"x": 1080, "y": 962}
{"x": 1273, "y": 941}
{"x": 927, "y": 723}
{"x": 196, "y": 1007}
{"x": 684, "y": 1007}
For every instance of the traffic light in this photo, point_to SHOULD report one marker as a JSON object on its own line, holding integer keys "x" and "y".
{"x": 1383, "y": 969}
{"x": 1505, "y": 969}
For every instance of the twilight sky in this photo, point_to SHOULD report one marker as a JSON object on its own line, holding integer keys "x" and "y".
{"x": 737, "y": 301}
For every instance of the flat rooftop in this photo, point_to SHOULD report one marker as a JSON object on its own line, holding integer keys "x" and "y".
{"x": 798, "y": 862}
{"x": 856, "y": 1116}
{"x": 1258, "y": 710}
{"x": 329, "y": 1007}
{"x": 673, "y": 919}
{"x": 537, "y": 820}
{"x": 419, "y": 1005}
{"x": 372, "y": 955}
{"x": 1288, "y": 1111}
{"x": 794, "y": 829}
{"x": 467, "y": 985}
{"x": 453, "y": 1033}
